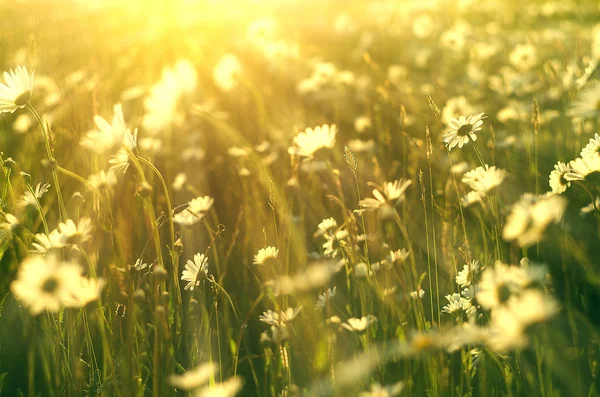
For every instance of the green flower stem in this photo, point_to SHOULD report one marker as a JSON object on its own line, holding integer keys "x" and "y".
{"x": 174, "y": 257}
{"x": 61, "y": 202}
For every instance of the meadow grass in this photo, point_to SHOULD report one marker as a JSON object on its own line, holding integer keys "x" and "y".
{"x": 299, "y": 198}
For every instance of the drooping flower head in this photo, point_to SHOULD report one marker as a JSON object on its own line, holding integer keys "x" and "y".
{"x": 107, "y": 138}
{"x": 15, "y": 93}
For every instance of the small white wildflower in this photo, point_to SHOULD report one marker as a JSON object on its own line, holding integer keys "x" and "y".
{"x": 325, "y": 298}
{"x": 462, "y": 130}
{"x": 465, "y": 277}
{"x": 308, "y": 142}
{"x": 265, "y": 254}
{"x": 15, "y": 93}
{"x": 359, "y": 325}
{"x": 195, "y": 271}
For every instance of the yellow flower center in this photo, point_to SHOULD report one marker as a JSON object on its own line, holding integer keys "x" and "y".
{"x": 50, "y": 285}
{"x": 464, "y": 130}
{"x": 503, "y": 292}
{"x": 23, "y": 99}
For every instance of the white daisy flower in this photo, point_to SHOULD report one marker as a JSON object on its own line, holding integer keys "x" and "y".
{"x": 45, "y": 242}
{"x": 279, "y": 334}
{"x": 71, "y": 233}
{"x": 533, "y": 306}
{"x": 161, "y": 105}
{"x": 226, "y": 73}
{"x": 84, "y": 291}
{"x": 194, "y": 378}
{"x": 361, "y": 270}
{"x": 120, "y": 161}
{"x": 464, "y": 278}
{"x": 15, "y": 93}
{"x": 362, "y": 123}
{"x": 506, "y": 331}
{"x": 469, "y": 292}
{"x": 228, "y": 388}
{"x": 499, "y": 283}
{"x": 558, "y": 182}
{"x": 201, "y": 205}
{"x": 530, "y": 217}
{"x": 32, "y": 198}
{"x": 423, "y": 26}
{"x": 282, "y": 317}
{"x": 308, "y": 142}
{"x": 484, "y": 179}
{"x": 587, "y": 104}
{"x": 456, "y": 303}
{"x": 462, "y": 130}
{"x": 316, "y": 275}
{"x": 418, "y": 294}
{"x": 195, "y": 211}
{"x": 334, "y": 243}
{"x": 359, "y": 325}
{"x": 392, "y": 193}
{"x": 195, "y": 271}
{"x": 509, "y": 322}
{"x": 186, "y": 218}
{"x": 377, "y": 390}
{"x": 324, "y": 298}
{"x": 179, "y": 181}
{"x": 454, "y": 40}
{"x": 107, "y": 137}
{"x": 580, "y": 168}
{"x": 45, "y": 284}
{"x": 460, "y": 168}
{"x": 265, "y": 254}
{"x": 471, "y": 198}
{"x": 523, "y": 57}
{"x": 327, "y": 224}
{"x": 398, "y": 255}
{"x": 592, "y": 149}
{"x": 536, "y": 274}
{"x": 360, "y": 146}
{"x": 103, "y": 180}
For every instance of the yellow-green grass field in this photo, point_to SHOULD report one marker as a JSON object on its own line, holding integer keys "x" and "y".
{"x": 299, "y": 198}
